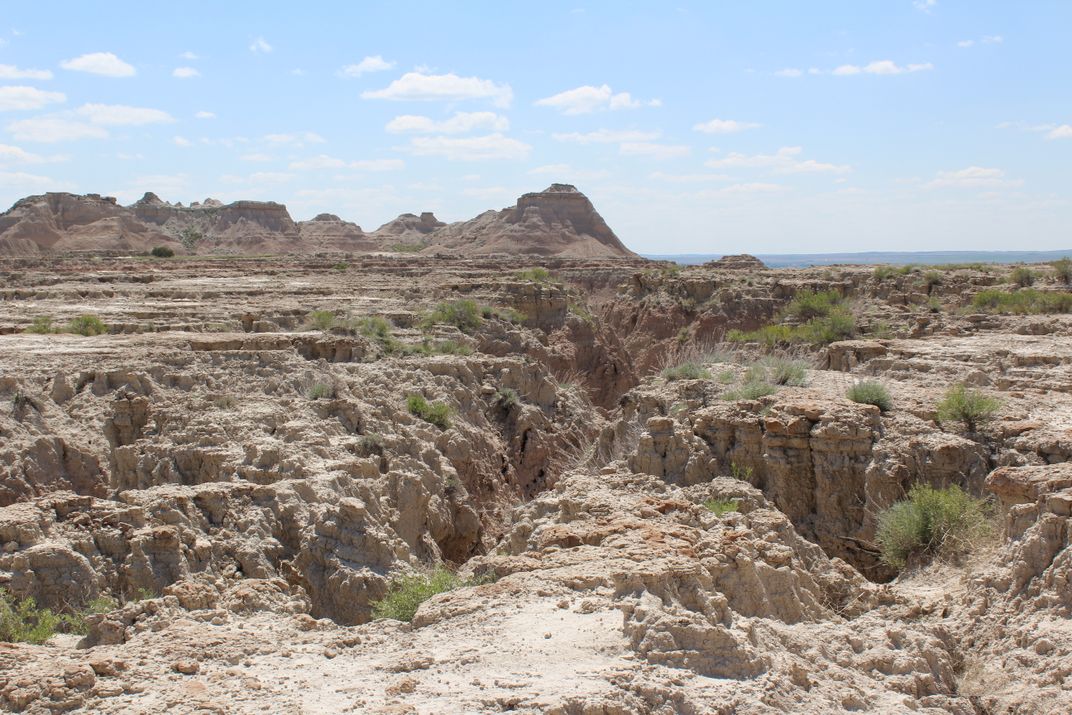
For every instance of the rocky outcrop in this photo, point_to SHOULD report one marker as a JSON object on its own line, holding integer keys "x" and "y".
{"x": 408, "y": 232}
{"x": 559, "y": 221}
{"x": 329, "y": 233}
{"x": 61, "y": 222}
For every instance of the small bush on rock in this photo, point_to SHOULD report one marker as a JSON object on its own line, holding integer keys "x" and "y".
{"x": 811, "y": 304}
{"x": 718, "y": 507}
{"x": 1027, "y": 301}
{"x": 930, "y": 522}
{"x": 436, "y": 413}
{"x": 87, "y": 325}
{"x": 967, "y": 406}
{"x": 322, "y": 319}
{"x": 870, "y": 393}
{"x": 162, "y": 252}
{"x": 1022, "y": 276}
{"x": 1062, "y": 270}
{"x": 41, "y": 325}
{"x": 462, "y": 314}
{"x": 405, "y": 594}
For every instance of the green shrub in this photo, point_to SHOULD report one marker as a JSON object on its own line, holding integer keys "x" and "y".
{"x": 87, "y": 325}
{"x": 932, "y": 278}
{"x": 41, "y": 324}
{"x": 340, "y": 266}
{"x": 726, "y": 377}
{"x": 930, "y": 522}
{"x": 870, "y": 393}
{"x": 778, "y": 371}
{"x": 190, "y": 237}
{"x": 406, "y": 593}
{"x": 1022, "y": 276}
{"x": 322, "y": 319}
{"x": 162, "y": 252}
{"x": 538, "y": 275}
{"x": 1062, "y": 270}
{"x": 462, "y": 314}
{"x": 375, "y": 326}
{"x": 750, "y": 391}
{"x": 319, "y": 391}
{"x": 837, "y": 324}
{"x": 1027, "y": 301}
{"x": 686, "y": 371}
{"x": 718, "y": 507}
{"x": 21, "y": 621}
{"x": 511, "y": 315}
{"x": 436, "y": 413}
{"x": 507, "y": 397}
{"x": 811, "y": 304}
{"x": 968, "y": 406}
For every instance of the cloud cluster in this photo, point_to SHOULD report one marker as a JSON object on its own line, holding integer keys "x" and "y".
{"x": 973, "y": 177}
{"x": 458, "y": 123}
{"x": 480, "y": 148}
{"x": 724, "y": 126}
{"x": 375, "y": 63}
{"x": 105, "y": 64}
{"x": 13, "y": 72}
{"x": 886, "y": 67}
{"x": 421, "y": 87}
{"x": 19, "y": 98}
{"x": 587, "y": 99}
{"x": 783, "y": 161}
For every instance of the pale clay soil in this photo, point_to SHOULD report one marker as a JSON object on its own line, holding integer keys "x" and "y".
{"x": 263, "y": 481}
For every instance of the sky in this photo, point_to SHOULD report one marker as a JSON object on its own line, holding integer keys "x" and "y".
{"x": 695, "y": 127}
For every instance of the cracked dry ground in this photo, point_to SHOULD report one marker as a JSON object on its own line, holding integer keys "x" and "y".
{"x": 261, "y": 482}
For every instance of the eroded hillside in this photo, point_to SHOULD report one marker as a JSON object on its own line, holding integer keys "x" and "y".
{"x": 650, "y": 481}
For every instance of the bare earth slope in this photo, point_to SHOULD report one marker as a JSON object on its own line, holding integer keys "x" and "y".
{"x": 234, "y": 465}
{"x": 560, "y": 221}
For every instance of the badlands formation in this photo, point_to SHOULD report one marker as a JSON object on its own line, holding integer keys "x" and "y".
{"x": 557, "y": 221}
{"x": 250, "y": 456}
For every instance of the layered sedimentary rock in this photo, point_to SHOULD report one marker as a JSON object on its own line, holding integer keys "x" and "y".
{"x": 557, "y": 221}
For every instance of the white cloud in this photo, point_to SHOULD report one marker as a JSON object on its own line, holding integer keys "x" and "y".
{"x": 784, "y": 161}
{"x": 1062, "y": 132}
{"x": 375, "y": 63}
{"x": 459, "y": 123}
{"x": 687, "y": 178}
{"x": 965, "y": 43}
{"x": 881, "y": 67}
{"x": 992, "y": 39}
{"x": 724, "y": 126}
{"x": 586, "y": 99}
{"x": 324, "y": 161}
{"x": 299, "y": 139}
{"x": 653, "y": 150}
{"x": 54, "y": 129}
{"x": 181, "y": 141}
{"x": 13, "y": 72}
{"x": 258, "y": 177}
{"x": 924, "y": 5}
{"x": 260, "y": 45}
{"x": 102, "y": 63}
{"x": 565, "y": 171}
{"x": 185, "y": 72}
{"x": 255, "y": 156}
{"x": 123, "y": 115}
{"x": 20, "y": 179}
{"x": 789, "y": 72}
{"x": 189, "y": 56}
{"x": 755, "y": 187}
{"x": 491, "y": 146}
{"x": 973, "y": 177}
{"x": 10, "y": 155}
{"x": 204, "y": 115}
{"x": 19, "y": 98}
{"x": 606, "y": 136}
{"x": 417, "y": 86}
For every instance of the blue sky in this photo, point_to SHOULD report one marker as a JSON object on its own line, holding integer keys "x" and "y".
{"x": 766, "y": 127}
